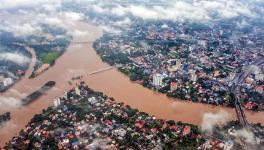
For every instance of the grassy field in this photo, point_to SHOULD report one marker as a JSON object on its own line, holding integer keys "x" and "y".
{"x": 48, "y": 58}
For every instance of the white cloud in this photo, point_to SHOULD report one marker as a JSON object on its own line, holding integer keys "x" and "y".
{"x": 18, "y": 94}
{"x": 73, "y": 16}
{"x": 212, "y": 119}
{"x": 98, "y": 9}
{"x": 119, "y": 10}
{"x": 17, "y": 58}
{"x": 9, "y": 102}
{"x": 79, "y": 33}
{"x": 110, "y": 29}
{"x": 247, "y": 135}
{"x": 124, "y": 22}
{"x": 9, "y": 4}
{"x": 19, "y": 28}
{"x": 143, "y": 12}
{"x": 53, "y": 21}
{"x": 25, "y": 29}
{"x": 178, "y": 10}
{"x": 99, "y": 143}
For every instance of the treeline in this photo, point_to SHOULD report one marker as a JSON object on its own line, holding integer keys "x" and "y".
{"x": 35, "y": 95}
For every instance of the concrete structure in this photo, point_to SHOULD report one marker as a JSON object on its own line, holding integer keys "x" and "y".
{"x": 259, "y": 76}
{"x": 193, "y": 75}
{"x": 56, "y": 102}
{"x": 173, "y": 86}
{"x": 174, "y": 65}
{"x": 77, "y": 91}
{"x": 8, "y": 81}
{"x": 157, "y": 79}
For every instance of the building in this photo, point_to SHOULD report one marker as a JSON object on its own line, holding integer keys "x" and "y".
{"x": 259, "y": 77}
{"x": 202, "y": 43}
{"x": 2, "y": 78}
{"x": 92, "y": 100}
{"x": 173, "y": 86}
{"x": 158, "y": 79}
{"x": 260, "y": 89}
{"x": 8, "y": 81}
{"x": 56, "y": 102}
{"x": 250, "y": 105}
{"x": 77, "y": 91}
{"x": 65, "y": 95}
{"x": 193, "y": 75}
{"x": 174, "y": 65}
{"x": 249, "y": 81}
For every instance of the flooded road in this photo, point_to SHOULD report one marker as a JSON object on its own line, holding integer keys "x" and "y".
{"x": 81, "y": 59}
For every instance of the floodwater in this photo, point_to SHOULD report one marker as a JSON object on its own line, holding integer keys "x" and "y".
{"x": 81, "y": 59}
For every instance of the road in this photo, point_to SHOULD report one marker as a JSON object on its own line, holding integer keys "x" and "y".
{"x": 235, "y": 88}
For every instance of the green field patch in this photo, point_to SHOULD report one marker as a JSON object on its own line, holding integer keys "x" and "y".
{"x": 49, "y": 58}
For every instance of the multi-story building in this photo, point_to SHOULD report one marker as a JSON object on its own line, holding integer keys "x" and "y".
{"x": 56, "y": 102}
{"x": 158, "y": 80}
{"x": 259, "y": 76}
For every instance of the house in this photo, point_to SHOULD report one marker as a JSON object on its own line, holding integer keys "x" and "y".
{"x": 77, "y": 91}
{"x": 119, "y": 132}
{"x": 8, "y": 81}
{"x": 260, "y": 89}
{"x": 173, "y": 86}
{"x": 259, "y": 77}
{"x": 186, "y": 130}
{"x": 92, "y": 100}
{"x": 2, "y": 78}
{"x": 250, "y": 105}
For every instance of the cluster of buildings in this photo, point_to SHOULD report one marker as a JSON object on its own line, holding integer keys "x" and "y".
{"x": 233, "y": 136}
{"x": 84, "y": 119}
{"x": 190, "y": 61}
{"x": 8, "y": 78}
{"x": 6, "y": 81}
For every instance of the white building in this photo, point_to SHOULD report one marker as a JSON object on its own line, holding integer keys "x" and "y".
{"x": 65, "y": 95}
{"x": 92, "y": 100}
{"x": 259, "y": 76}
{"x": 56, "y": 102}
{"x": 157, "y": 79}
{"x": 8, "y": 81}
{"x": 193, "y": 75}
{"x": 77, "y": 91}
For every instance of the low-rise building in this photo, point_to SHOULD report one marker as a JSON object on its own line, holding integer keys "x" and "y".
{"x": 173, "y": 86}
{"x": 259, "y": 76}
{"x": 8, "y": 81}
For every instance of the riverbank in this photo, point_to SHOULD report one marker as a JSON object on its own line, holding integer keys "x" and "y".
{"x": 81, "y": 59}
{"x": 83, "y": 116}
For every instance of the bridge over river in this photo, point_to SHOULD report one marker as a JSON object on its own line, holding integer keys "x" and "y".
{"x": 83, "y": 60}
{"x": 235, "y": 88}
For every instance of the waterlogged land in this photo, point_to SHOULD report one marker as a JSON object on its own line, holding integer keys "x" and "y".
{"x": 81, "y": 59}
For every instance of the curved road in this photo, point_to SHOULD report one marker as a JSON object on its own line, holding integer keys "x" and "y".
{"x": 81, "y": 59}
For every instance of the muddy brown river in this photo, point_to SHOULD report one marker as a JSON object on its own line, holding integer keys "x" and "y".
{"x": 81, "y": 59}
